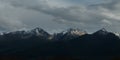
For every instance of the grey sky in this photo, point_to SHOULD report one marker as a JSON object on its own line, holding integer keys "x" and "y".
{"x": 58, "y": 15}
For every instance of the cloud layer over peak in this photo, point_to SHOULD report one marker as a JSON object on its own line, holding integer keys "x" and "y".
{"x": 89, "y": 17}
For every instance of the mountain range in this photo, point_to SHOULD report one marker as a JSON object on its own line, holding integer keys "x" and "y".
{"x": 72, "y": 42}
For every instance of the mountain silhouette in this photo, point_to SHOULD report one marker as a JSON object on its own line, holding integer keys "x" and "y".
{"x": 73, "y": 42}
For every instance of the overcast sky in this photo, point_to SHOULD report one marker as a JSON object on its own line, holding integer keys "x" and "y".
{"x": 58, "y": 15}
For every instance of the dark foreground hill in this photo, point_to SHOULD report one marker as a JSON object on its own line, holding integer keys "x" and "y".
{"x": 72, "y": 44}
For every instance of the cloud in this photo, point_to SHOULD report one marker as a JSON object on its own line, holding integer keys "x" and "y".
{"x": 93, "y": 16}
{"x": 10, "y": 25}
{"x": 9, "y": 21}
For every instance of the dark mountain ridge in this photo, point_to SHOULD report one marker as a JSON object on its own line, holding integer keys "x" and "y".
{"x": 72, "y": 42}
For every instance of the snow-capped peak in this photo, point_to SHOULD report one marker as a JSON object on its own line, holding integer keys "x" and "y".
{"x": 38, "y": 29}
{"x": 102, "y": 31}
{"x": 39, "y": 32}
{"x": 74, "y": 32}
{"x": 117, "y": 34}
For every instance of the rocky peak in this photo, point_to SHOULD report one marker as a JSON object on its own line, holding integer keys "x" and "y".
{"x": 75, "y": 32}
{"x": 39, "y": 32}
{"x": 102, "y": 31}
